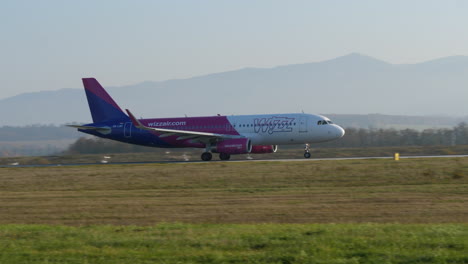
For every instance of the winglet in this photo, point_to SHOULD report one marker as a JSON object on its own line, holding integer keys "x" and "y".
{"x": 135, "y": 121}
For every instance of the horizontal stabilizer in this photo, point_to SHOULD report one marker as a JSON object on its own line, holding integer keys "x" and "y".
{"x": 102, "y": 130}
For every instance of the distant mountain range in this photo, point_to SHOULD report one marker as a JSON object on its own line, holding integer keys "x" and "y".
{"x": 352, "y": 84}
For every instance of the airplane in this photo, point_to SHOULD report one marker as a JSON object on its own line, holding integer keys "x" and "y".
{"x": 225, "y": 135}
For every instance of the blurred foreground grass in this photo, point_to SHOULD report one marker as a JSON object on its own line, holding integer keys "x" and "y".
{"x": 234, "y": 243}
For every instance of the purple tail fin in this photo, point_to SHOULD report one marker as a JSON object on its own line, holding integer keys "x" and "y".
{"x": 102, "y": 106}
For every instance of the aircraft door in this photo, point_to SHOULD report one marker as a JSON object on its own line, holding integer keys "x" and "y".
{"x": 128, "y": 130}
{"x": 302, "y": 124}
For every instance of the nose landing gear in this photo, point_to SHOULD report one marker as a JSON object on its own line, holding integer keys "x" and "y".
{"x": 307, "y": 151}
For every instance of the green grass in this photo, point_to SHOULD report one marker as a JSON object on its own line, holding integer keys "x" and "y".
{"x": 233, "y": 243}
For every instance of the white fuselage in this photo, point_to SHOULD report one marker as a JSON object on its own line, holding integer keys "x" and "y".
{"x": 281, "y": 129}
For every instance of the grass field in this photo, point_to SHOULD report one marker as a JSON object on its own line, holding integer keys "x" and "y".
{"x": 350, "y": 211}
{"x": 350, "y": 191}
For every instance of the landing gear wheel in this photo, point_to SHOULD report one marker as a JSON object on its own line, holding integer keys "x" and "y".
{"x": 224, "y": 156}
{"x": 306, "y": 151}
{"x": 206, "y": 156}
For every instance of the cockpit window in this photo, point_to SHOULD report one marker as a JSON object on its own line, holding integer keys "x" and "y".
{"x": 324, "y": 122}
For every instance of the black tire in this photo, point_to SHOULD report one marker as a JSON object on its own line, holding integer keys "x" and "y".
{"x": 224, "y": 156}
{"x": 307, "y": 155}
{"x": 206, "y": 156}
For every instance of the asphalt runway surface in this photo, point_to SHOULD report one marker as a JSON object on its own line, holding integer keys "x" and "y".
{"x": 247, "y": 160}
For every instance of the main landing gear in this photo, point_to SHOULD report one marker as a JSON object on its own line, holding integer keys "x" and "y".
{"x": 307, "y": 151}
{"x": 224, "y": 156}
{"x": 206, "y": 156}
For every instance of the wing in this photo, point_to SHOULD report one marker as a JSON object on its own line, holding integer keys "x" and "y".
{"x": 182, "y": 134}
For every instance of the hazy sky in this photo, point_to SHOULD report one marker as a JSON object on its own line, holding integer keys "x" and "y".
{"x": 49, "y": 45}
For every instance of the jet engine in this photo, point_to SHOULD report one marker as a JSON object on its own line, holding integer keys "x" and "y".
{"x": 261, "y": 149}
{"x": 233, "y": 146}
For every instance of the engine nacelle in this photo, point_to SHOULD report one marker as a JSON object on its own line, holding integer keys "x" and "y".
{"x": 261, "y": 149}
{"x": 233, "y": 146}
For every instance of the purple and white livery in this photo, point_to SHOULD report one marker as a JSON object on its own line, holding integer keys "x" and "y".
{"x": 226, "y": 135}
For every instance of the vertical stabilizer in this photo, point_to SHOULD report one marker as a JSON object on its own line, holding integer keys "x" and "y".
{"x": 101, "y": 105}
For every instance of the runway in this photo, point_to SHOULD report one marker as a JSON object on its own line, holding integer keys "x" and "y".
{"x": 216, "y": 161}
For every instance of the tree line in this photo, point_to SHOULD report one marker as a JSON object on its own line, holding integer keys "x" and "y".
{"x": 37, "y": 132}
{"x": 359, "y": 137}
{"x": 95, "y": 145}
{"x": 354, "y": 137}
